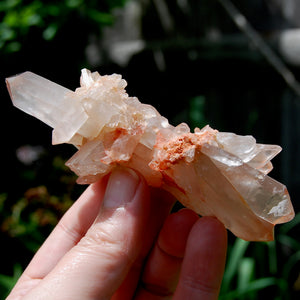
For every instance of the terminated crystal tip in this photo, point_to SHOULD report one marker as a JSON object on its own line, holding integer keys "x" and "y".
{"x": 214, "y": 173}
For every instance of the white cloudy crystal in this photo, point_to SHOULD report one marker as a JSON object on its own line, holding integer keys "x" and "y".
{"x": 214, "y": 173}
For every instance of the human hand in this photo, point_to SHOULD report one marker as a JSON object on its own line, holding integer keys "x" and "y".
{"x": 118, "y": 241}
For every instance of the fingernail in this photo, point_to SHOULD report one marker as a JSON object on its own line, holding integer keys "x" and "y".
{"x": 121, "y": 188}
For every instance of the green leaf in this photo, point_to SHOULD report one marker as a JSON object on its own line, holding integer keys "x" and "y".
{"x": 236, "y": 254}
{"x": 116, "y": 3}
{"x": 6, "y": 33}
{"x": 100, "y": 17}
{"x": 73, "y": 3}
{"x": 9, "y": 4}
{"x": 253, "y": 286}
{"x": 11, "y": 19}
{"x": 50, "y": 32}
{"x": 272, "y": 257}
{"x": 30, "y": 15}
{"x": 8, "y": 282}
{"x": 196, "y": 112}
{"x": 54, "y": 10}
{"x": 245, "y": 273}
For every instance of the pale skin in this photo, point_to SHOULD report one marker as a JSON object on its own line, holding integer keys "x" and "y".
{"x": 119, "y": 241}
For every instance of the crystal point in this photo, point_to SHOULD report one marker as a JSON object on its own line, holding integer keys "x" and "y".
{"x": 214, "y": 173}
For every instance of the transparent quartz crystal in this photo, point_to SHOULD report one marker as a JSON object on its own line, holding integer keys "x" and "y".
{"x": 214, "y": 173}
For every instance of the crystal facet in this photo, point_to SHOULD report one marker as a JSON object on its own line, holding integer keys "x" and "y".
{"x": 214, "y": 173}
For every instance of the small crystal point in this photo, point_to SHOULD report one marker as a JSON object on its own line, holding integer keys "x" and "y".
{"x": 48, "y": 102}
{"x": 261, "y": 161}
{"x": 214, "y": 173}
{"x": 242, "y": 146}
{"x": 38, "y": 96}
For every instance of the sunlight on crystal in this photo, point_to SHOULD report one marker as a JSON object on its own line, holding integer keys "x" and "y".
{"x": 280, "y": 209}
{"x": 214, "y": 173}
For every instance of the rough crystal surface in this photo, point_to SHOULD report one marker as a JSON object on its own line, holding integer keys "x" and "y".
{"x": 214, "y": 173}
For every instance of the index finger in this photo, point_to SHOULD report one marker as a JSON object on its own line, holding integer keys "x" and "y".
{"x": 70, "y": 229}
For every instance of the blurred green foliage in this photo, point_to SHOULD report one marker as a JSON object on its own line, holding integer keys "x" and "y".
{"x": 8, "y": 282}
{"x": 247, "y": 274}
{"x": 197, "y": 112}
{"x": 28, "y": 220}
{"x": 19, "y": 17}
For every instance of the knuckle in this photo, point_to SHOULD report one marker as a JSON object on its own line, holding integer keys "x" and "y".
{"x": 199, "y": 285}
{"x": 104, "y": 242}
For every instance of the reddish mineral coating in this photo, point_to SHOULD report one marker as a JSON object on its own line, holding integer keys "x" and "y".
{"x": 179, "y": 147}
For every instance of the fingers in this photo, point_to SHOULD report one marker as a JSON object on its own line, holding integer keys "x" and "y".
{"x": 160, "y": 206}
{"x": 162, "y": 270}
{"x": 204, "y": 261}
{"x": 97, "y": 265}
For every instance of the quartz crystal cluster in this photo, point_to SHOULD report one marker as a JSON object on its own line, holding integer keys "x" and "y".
{"x": 214, "y": 173}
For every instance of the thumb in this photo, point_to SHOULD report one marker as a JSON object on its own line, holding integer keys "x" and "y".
{"x": 98, "y": 264}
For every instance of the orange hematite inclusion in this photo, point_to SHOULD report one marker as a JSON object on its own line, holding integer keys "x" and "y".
{"x": 180, "y": 147}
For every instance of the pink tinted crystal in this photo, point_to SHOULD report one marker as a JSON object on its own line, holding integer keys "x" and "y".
{"x": 214, "y": 173}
